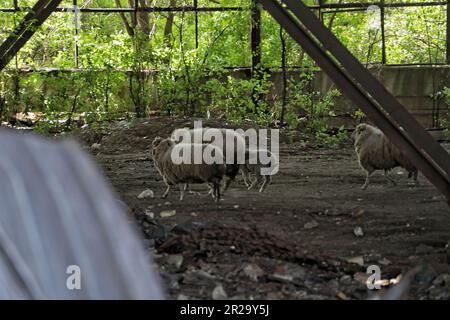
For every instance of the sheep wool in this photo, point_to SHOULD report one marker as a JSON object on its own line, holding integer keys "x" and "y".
{"x": 231, "y": 142}
{"x": 181, "y": 174}
{"x": 253, "y": 165}
{"x": 376, "y": 152}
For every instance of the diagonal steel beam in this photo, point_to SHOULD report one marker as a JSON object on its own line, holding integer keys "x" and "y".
{"x": 25, "y": 30}
{"x": 364, "y": 89}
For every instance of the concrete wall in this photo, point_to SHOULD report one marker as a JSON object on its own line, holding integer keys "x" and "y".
{"x": 413, "y": 86}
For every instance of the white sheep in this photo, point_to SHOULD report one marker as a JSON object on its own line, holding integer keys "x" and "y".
{"x": 231, "y": 143}
{"x": 254, "y": 165}
{"x": 174, "y": 173}
{"x": 376, "y": 152}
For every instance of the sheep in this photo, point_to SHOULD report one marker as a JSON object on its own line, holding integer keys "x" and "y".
{"x": 254, "y": 165}
{"x": 155, "y": 143}
{"x": 183, "y": 173}
{"x": 376, "y": 152}
{"x": 231, "y": 141}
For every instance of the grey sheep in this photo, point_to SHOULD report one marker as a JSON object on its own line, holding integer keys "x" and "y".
{"x": 253, "y": 165}
{"x": 183, "y": 173}
{"x": 376, "y": 152}
{"x": 228, "y": 136}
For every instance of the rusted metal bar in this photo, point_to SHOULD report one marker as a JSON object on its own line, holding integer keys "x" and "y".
{"x": 76, "y": 26}
{"x": 32, "y": 20}
{"x": 367, "y": 4}
{"x": 321, "y": 2}
{"x": 255, "y": 39}
{"x": 237, "y": 8}
{"x": 383, "y": 35}
{"x": 196, "y": 23}
{"x": 146, "y": 9}
{"x": 448, "y": 32}
{"x": 343, "y": 10}
{"x": 365, "y": 90}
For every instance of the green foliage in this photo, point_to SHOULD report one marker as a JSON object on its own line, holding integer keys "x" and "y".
{"x": 310, "y": 111}
{"x": 163, "y": 67}
{"x": 445, "y": 121}
{"x": 359, "y": 116}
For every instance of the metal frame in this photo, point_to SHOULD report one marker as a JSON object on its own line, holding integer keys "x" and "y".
{"x": 25, "y": 30}
{"x": 322, "y": 7}
{"x": 364, "y": 89}
{"x": 341, "y": 66}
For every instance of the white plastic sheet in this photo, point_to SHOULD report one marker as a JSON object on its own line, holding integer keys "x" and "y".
{"x": 57, "y": 211}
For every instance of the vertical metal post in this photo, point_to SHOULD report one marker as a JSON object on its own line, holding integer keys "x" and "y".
{"x": 196, "y": 23}
{"x": 383, "y": 38}
{"x": 256, "y": 47}
{"x": 283, "y": 69}
{"x": 76, "y": 12}
{"x": 16, "y": 9}
{"x": 256, "y": 35}
{"x": 320, "y": 10}
{"x": 448, "y": 31}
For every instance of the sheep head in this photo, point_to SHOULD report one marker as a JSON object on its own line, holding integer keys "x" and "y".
{"x": 363, "y": 129}
{"x": 163, "y": 145}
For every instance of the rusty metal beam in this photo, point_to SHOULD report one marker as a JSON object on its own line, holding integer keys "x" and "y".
{"x": 255, "y": 41}
{"x": 364, "y": 89}
{"x": 25, "y": 30}
{"x": 320, "y": 6}
{"x": 448, "y": 32}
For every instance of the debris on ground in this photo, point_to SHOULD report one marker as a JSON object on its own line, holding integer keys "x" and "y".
{"x": 262, "y": 236}
{"x": 358, "y": 232}
{"x": 146, "y": 194}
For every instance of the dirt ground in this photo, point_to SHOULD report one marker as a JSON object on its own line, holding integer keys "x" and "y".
{"x": 296, "y": 240}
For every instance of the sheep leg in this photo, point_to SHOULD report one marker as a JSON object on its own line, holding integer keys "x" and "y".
{"x": 266, "y": 182}
{"x": 166, "y": 192}
{"x": 389, "y": 178}
{"x": 366, "y": 183}
{"x": 227, "y": 183}
{"x": 210, "y": 190}
{"x": 254, "y": 183}
{"x": 257, "y": 181}
{"x": 183, "y": 188}
{"x": 246, "y": 175}
{"x": 217, "y": 191}
{"x": 414, "y": 175}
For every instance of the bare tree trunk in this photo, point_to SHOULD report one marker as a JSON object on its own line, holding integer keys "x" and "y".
{"x": 124, "y": 19}
{"x": 333, "y": 16}
{"x": 169, "y": 25}
{"x": 143, "y": 18}
{"x": 140, "y": 19}
{"x": 371, "y": 46}
{"x": 132, "y": 15}
{"x": 283, "y": 68}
